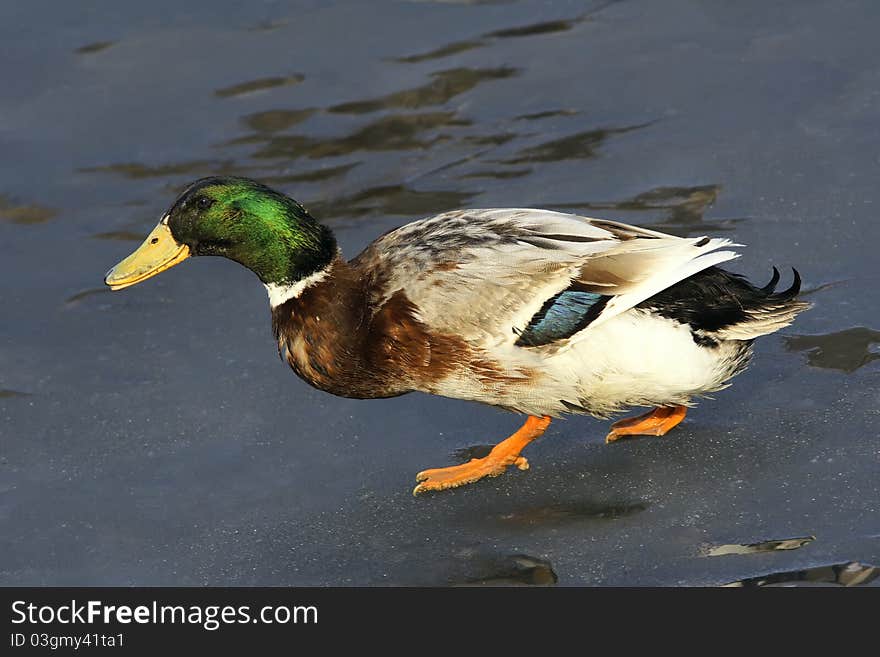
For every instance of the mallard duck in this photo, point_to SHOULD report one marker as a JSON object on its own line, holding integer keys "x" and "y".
{"x": 534, "y": 311}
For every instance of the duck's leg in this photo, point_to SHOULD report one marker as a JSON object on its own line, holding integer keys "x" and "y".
{"x": 504, "y": 454}
{"x": 652, "y": 423}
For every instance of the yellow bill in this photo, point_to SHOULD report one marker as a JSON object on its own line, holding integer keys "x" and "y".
{"x": 160, "y": 251}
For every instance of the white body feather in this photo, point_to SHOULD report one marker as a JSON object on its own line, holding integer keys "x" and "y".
{"x": 633, "y": 359}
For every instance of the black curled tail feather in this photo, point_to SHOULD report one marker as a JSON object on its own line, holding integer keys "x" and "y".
{"x": 771, "y": 286}
{"x": 785, "y": 295}
{"x": 795, "y": 288}
{"x": 719, "y": 305}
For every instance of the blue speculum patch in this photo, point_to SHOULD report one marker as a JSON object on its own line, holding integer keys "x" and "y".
{"x": 561, "y": 317}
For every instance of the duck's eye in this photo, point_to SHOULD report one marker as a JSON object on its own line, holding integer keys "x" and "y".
{"x": 204, "y": 202}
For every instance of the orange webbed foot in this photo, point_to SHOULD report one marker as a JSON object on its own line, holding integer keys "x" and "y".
{"x": 653, "y": 423}
{"x": 503, "y": 455}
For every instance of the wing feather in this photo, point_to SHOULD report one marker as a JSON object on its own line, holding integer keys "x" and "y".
{"x": 484, "y": 274}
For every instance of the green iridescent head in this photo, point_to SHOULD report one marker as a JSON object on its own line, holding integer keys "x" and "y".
{"x": 240, "y": 219}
